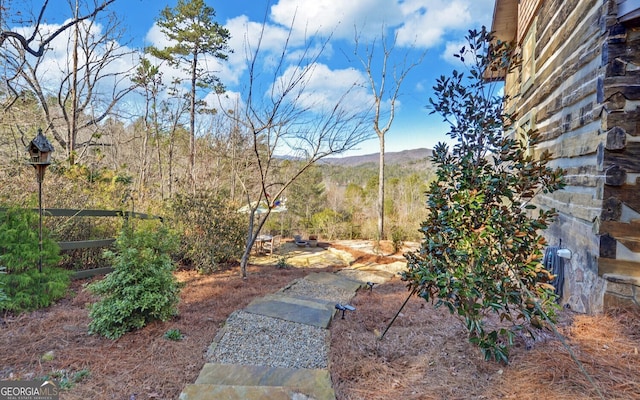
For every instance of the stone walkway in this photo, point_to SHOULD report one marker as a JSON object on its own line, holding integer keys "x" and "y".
{"x": 278, "y": 346}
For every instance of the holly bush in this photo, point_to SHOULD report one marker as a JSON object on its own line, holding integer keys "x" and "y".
{"x": 482, "y": 247}
{"x": 141, "y": 288}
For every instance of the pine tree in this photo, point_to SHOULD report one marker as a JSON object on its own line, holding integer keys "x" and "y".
{"x": 193, "y": 35}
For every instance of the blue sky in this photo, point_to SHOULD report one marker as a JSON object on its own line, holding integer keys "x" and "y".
{"x": 436, "y": 27}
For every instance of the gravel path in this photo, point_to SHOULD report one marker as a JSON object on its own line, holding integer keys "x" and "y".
{"x": 278, "y": 352}
{"x": 252, "y": 339}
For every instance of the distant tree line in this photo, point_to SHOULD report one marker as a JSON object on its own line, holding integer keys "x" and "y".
{"x": 130, "y": 139}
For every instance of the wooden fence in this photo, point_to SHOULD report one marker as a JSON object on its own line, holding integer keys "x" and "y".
{"x": 88, "y": 244}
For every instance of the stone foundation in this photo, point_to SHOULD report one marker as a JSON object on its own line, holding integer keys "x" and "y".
{"x": 621, "y": 291}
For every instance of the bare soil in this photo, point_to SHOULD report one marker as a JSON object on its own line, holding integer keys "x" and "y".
{"x": 424, "y": 354}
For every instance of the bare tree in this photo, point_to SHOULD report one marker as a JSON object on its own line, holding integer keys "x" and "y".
{"x": 282, "y": 120}
{"x": 384, "y": 81}
{"x": 36, "y": 43}
{"x": 87, "y": 89}
{"x": 149, "y": 79}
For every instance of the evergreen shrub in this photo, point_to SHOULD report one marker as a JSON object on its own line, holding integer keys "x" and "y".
{"x": 142, "y": 287}
{"x": 32, "y": 290}
{"x": 212, "y": 232}
{"x": 25, "y": 287}
{"x": 19, "y": 242}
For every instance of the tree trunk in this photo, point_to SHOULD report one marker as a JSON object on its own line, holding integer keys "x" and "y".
{"x": 142, "y": 180}
{"x": 156, "y": 131}
{"x": 71, "y": 139}
{"x": 192, "y": 123}
{"x": 252, "y": 234}
{"x": 381, "y": 190}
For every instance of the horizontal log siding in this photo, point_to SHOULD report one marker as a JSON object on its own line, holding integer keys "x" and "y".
{"x": 620, "y": 93}
{"x": 564, "y": 100}
{"x": 526, "y": 12}
{"x": 568, "y": 61}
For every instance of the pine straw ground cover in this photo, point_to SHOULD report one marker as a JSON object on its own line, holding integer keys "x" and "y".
{"x": 141, "y": 364}
{"x": 424, "y": 355}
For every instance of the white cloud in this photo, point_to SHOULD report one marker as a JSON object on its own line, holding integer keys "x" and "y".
{"x": 56, "y": 64}
{"x": 337, "y": 17}
{"x": 427, "y": 21}
{"x": 323, "y": 88}
{"x": 156, "y": 38}
{"x": 420, "y": 23}
{"x": 228, "y": 101}
{"x": 246, "y": 36}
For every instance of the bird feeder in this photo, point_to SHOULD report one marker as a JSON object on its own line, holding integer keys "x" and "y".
{"x": 40, "y": 154}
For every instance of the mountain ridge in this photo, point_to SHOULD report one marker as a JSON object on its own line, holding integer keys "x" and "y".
{"x": 397, "y": 157}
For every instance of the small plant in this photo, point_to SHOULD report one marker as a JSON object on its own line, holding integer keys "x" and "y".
{"x": 397, "y": 238}
{"x": 48, "y": 356}
{"x": 141, "y": 288}
{"x": 282, "y": 262}
{"x": 173, "y": 334}
{"x": 67, "y": 379}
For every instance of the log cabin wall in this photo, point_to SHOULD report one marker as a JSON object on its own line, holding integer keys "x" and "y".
{"x": 619, "y": 156}
{"x": 580, "y": 90}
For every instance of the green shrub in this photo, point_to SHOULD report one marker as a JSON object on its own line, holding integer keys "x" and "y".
{"x": 141, "y": 288}
{"x": 31, "y": 290}
{"x": 19, "y": 242}
{"x": 397, "y": 238}
{"x": 67, "y": 379}
{"x": 330, "y": 224}
{"x": 482, "y": 247}
{"x": 23, "y": 287}
{"x": 212, "y": 232}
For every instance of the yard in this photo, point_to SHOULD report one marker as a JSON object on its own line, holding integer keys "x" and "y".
{"x": 424, "y": 355}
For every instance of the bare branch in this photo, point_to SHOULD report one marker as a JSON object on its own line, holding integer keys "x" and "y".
{"x": 283, "y": 122}
{"x": 39, "y": 51}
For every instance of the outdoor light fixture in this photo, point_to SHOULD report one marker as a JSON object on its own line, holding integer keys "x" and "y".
{"x": 370, "y": 286}
{"x": 40, "y": 157}
{"x": 344, "y": 307}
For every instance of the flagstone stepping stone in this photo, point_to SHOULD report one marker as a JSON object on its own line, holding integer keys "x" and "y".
{"x": 256, "y": 382}
{"x": 318, "y": 291}
{"x": 302, "y": 310}
{"x": 210, "y": 392}
{"x": 327, "y": 278}
{"x": 367, "y": 276}
{"x": 393, "y": 268}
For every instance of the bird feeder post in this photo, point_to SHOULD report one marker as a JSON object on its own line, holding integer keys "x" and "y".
{"x": 40, "y": 158}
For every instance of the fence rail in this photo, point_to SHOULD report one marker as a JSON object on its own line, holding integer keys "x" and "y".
{"x": 89, "y": 244}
